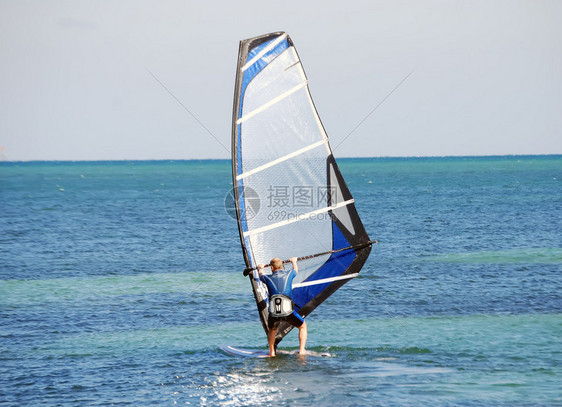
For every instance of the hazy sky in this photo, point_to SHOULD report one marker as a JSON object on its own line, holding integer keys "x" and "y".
{"x": 75, "y": 82}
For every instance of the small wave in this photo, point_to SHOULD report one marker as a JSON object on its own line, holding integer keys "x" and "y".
{"x": 79, "y": 289}
{"x": 523, "y": 255}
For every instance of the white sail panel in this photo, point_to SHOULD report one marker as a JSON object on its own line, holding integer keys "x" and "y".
{"x": 279, "y": 76}
{"x": 294, "y": 123}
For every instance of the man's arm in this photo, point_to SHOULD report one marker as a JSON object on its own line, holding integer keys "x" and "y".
{"x": 294, "y": 262}
{"x": 260, "y": 268}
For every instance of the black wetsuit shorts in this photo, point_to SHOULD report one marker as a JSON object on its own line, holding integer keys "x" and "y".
{"x": 294, "y": 319}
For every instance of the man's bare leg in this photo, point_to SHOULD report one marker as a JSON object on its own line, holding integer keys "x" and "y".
{"x": 303, "y": 335}
{"x": 271, "y": 340}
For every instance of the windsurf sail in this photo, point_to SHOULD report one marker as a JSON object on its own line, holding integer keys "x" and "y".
{"x": 291, "y": 199}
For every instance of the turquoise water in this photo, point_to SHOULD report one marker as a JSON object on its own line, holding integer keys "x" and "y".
{"x": 120, "y": 280}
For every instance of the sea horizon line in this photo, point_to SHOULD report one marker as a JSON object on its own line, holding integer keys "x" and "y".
{"x": 385, "y": 157}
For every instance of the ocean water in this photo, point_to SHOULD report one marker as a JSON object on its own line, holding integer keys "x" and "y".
{"x": 120, "y": 280}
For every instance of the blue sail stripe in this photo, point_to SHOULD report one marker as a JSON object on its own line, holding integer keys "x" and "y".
{"x": 257, "y": 66}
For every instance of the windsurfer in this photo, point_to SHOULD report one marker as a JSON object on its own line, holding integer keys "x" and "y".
{"x": 280, "y": 287}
